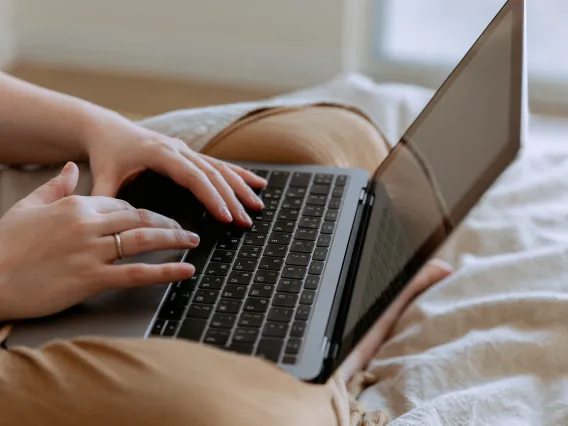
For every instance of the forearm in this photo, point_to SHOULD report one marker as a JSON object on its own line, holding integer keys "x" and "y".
{"x": 41, "y": 126}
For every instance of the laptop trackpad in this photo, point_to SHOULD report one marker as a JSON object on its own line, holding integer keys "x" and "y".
{"x": 117, "y": 313}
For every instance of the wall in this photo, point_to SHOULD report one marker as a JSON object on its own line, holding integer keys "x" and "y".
{"x": 6, "y": 32}
{"x": 279, "y": 43}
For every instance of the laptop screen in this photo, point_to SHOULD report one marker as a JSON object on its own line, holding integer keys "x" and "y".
{"x": 463, "y": 140}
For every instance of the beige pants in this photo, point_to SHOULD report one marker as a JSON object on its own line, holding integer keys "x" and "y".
{"x": 109, "y": 382}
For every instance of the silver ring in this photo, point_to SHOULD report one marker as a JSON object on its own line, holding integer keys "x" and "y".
{"x": 118, "y": 246}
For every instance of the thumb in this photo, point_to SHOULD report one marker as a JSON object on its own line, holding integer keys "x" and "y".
{"x": 57, "y": 188}
{"x": 105, "y": 186}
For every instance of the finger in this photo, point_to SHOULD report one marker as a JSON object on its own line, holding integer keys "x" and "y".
{"x": 57, "y": 188}
{"x": 249, "y": 177}
{"x": 144, "y": 240}
{"x": 433, "y": 272}
{"x": 187, "y": 174}
{"x": 107, "y": 205}
{"x": 240, "y": 216}
{"x": 239, "y": 186}
{"x": 105, "y": 185}
{"x": 120, "y": 221}
{"x": 141, "y": 274}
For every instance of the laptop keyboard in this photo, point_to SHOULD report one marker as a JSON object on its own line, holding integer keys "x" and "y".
{"x": 253, "y": 290}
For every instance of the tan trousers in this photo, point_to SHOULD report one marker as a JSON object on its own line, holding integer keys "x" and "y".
{"x": 98, "y": 381}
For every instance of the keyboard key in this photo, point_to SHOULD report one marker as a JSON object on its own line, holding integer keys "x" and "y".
{"x": 295, "y": 272}
{"x": 245, "y": 265}
{"x": 280, "y": 314}
{"x": 296, "y": 193}
{"x": 187, "y": 285}
{"x": 207, "y": 297}
{"x": 254, "y": 239}
{"x": 292, "y": 203}
{"x": 327, "y": 228}
{"x": 271, "y": 263}
{"x": 241, "y": 348}
{"x": 298, "y": 259}
{"x": 306, "y": 234}
{"x": 171, "y": 312}
{"x": 199, "y": 311}
{"x": 270, "y": 205}
{"x": 270, "y": 349}
{"x": 234, "y": 292}
{"x": 307, "y": 297}
{"x": 278, "y": 179}
{"x": 341, "y": 180}
{"x": 274, "y": 329}
{"x": 261, "y": 290}
{"x": 192, "y": 329}
{"x": 158, "y": 328}
{"x": 316, "y": 268}
{"x": 301, "y": 179}
{"x": 228, "y": 243}
{"x": 331, "y": 215}
{"x": 287, "y": 214}
{"x": 298, "y": 329}
{"x": 303, "y": 313}
{"x": 234, "y": 232}
{"x": 289, "y": 359}
{"x": 320, "y": 253}
{"x": 320, "y": 189}
{"x": 250, "y": 252}
{"x": 260, "y": 227}
{"x": 274, "y": 250}
{"x": 249, "y": 319}
{"x": 334, "y": 203}
{"x": 337, "y": 192}
{"x": 309, "y": 222}
{"x": 245, "y": 335}
{"x": 289, "y": 286}
{"x": 221, "y": 269}
{"x": 272, "y": 194}
{"x": 284, "y": 226}
{"x": 211, "y": 282}
{"x": 324, "y": 240}
{"x": 260, "y": 172}
{"x": 311, "y": 282}
{"x": 223, "y": 256}
{"x": 223, "y": 321}
{"x": 280, "y": 238}
{"x": 263, "y": 216}
{"x": 171, "y": 328}
{"x": 293, "y": 346}
{"x": 266, "y": 277}
{"x": 229, "y": 306}
{"x": 313, "y": 211}
{"x": 254, "y": 304}
{"x": 243, "y": 278}
{"x": 323, "y": 179}
{"x": 316, "y": 200}
{"x": 284, "y": 300}
{"x": 217, "y": 337}
{"x": 180, "y": 298}
{"x": 198, "y": 258}
{"x": 299, "y": 246}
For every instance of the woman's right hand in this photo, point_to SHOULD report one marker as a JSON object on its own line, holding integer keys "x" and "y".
{"x": 57, "y": 250}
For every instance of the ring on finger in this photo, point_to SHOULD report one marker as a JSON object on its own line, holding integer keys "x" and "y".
{"x": 118, "y": 243}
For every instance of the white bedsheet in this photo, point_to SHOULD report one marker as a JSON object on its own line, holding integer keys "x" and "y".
{"x": 488, "y": 345}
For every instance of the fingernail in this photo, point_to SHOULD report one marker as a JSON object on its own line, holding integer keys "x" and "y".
{"x": 193, "y": 238}
{"x": 246, "y": 218}
{"x": 259, "y": 203}
{"x": 226, "y": 214}
{"x": 67, "y": 166}
{"x": 442, "y": 264}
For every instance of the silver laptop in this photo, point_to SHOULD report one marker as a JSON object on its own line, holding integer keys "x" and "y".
{"x": 334, "y": 247}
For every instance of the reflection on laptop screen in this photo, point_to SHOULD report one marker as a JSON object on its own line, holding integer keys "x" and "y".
{"x": 462, "y": 141}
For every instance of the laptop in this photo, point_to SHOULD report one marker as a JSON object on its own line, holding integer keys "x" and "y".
{"x": 334, "y": 248}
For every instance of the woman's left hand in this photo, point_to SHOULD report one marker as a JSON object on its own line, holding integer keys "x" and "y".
{"x": 119, "y": 150}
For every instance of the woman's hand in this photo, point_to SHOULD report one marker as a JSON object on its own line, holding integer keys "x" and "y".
{"x": 57, "y": 250}
{"x": 119, "y": 150}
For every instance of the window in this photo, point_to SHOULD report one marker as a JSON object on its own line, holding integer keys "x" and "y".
{"x": 419, "y": 41}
